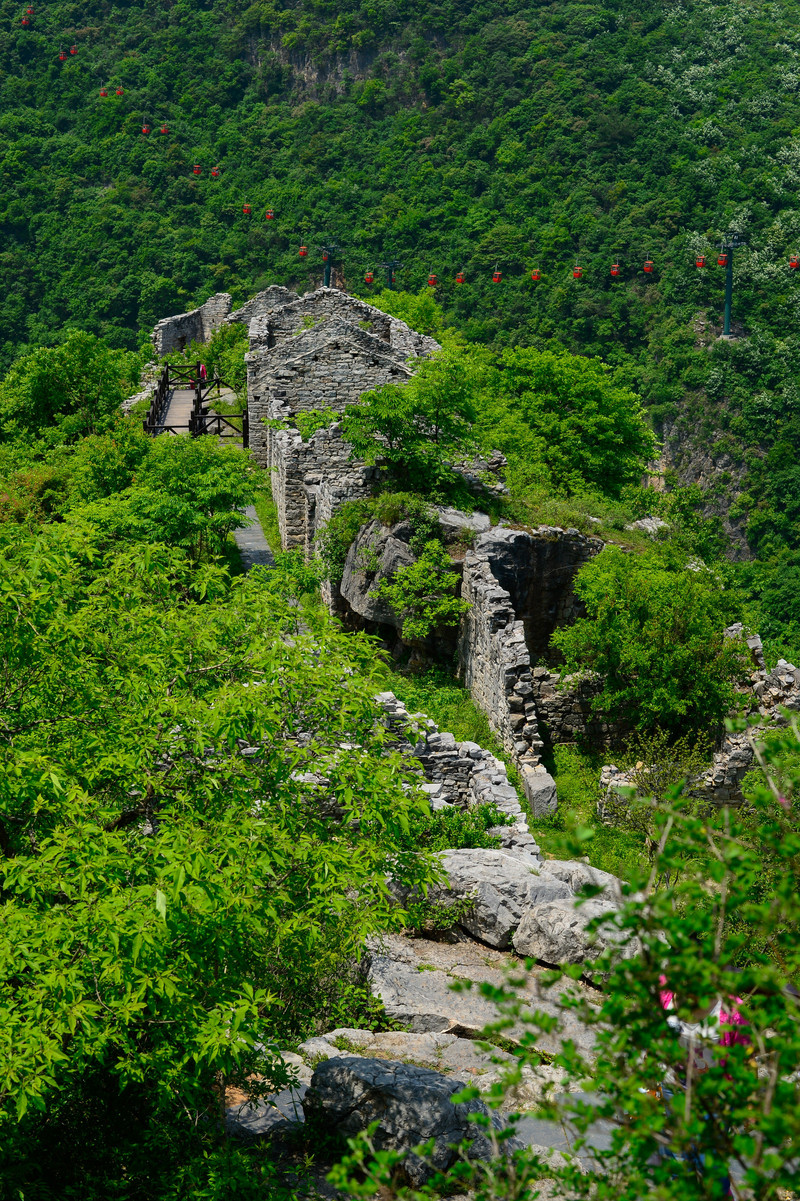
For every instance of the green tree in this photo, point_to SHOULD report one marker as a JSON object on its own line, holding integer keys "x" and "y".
{"x": 422, "y": 593}
{"x": 78, "y": 386}
{"x": 654, "y": 638}
{"x": 188, "y": 492}
{"x": 419, "y": 430}
{"x": 197, "y": 819}
{"x": 565, "y": 418}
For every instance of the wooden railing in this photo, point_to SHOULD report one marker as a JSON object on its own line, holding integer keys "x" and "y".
{"x": 201, "y": 421}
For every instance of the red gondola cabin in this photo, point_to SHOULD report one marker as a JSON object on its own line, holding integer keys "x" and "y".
{"x": 577, "y": 272}
{"x": 722, "y": 259}
{"x": 145, "y": 129}
{"x": 369, "y": 276}
{"x": 103, "y": 91}
{"x": 460, "y": 277}
{"x": 164, "y": 129}
{"x": 62, "y": 56}
{"x": 197, "y": 169}
{"x": 615, "y": 269}
{"x": 270, "y": 213}
{"x": 215, "y": 172}
{"x": 496, "y": 276}
{"x": 73, "y": 49}
{"x": 25, "y": 21}
{"x": 325, "y": 256}
{"x": 794, "y": 261}
{"x": 247, "y": 209}
{"x": 700, "y": 261}
{"x": 303, "y": 252}
{"x": 536, "y": 274}
{"x": 119, "y": 91}
{"x": 648, "y": 266}
{"x": 432, "y": 281}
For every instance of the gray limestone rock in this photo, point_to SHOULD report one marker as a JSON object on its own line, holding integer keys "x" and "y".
{"x": 540, "y": 791}
{"x": 503, "y": 886}
{"x": 578, "y": 875}
{"x": 414, "y": 980}
{"x": 557, "y": 933}
{"x": 456, "y": 524}
{"x": 411, "y": 1104}
{"x": 375, "y": 555}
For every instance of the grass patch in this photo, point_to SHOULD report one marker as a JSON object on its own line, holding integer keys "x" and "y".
{"x": 577, "y": 774}
{"x": 267, "y": 512}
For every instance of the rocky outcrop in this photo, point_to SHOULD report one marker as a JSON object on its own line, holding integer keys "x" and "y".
{"x": 558, "y": 932}
{"x": 502, "y": 888}
{"x": 411, "y": 1104}
{"x": 414, "y": 978}
{"x": 176, "y": 333}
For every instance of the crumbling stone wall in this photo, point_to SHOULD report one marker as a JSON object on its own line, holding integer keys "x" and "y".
{"x": 462, "y": 774}
{"x": 770, "y": 694}
{"x": 262, "y": 304}
{"x": 175, "y": 333}
{"x": 565, "y": 710}
{"x": 321, "y": 351}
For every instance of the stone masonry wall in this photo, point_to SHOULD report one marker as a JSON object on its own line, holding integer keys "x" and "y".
{"x": 496, "y": 667}
{"x": 262, "y": 304}
{"x": 175, "y": 333}
{"x": 322, "y": 351}
{"x": 462, "y": 774}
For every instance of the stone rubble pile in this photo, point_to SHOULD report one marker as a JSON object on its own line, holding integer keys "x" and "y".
{"x": 460, "y": 773}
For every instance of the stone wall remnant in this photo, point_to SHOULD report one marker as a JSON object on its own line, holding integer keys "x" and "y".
{"x": 177, "y": 332}
{"x": 519, "y": 587}
{"x": 462, "y": 774}
{"x": 770, "y": 695}
{"x": 321, "y": 351}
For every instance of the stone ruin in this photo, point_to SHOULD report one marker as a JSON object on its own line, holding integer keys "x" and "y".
{"x": 323, "y": 350}
{"x": 768, "y": 694}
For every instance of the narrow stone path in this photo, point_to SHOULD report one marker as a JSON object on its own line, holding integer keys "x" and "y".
{"x": 253, "y": 546}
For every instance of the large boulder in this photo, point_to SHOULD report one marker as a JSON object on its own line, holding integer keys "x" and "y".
{"x": 558, "y": 932}
{"x": 414, "y": 979}
{"x": 374, "y": 555}
{"x": 411, "y": 1104}
{"x": 503, "y": 886}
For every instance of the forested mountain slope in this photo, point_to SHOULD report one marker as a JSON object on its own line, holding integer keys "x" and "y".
{"x": 454, "y": 136}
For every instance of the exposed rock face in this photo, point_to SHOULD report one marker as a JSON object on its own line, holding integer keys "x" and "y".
{"x": 556, "y": 932}
{"x": 375, "y": 555}
{"x": 503, "y": 886}
{"x": 175, "y": 333}
{"x": 411, "y": 1104}
{"x": 414, "y": 977}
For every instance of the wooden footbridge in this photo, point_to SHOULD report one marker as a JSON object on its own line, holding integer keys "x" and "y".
{"x": 182, "y": 404}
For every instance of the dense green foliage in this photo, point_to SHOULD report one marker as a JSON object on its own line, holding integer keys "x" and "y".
{"x": 654, "y": 637}
{"x": 712, "y": 934}
{"x": 423, "y": 593}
